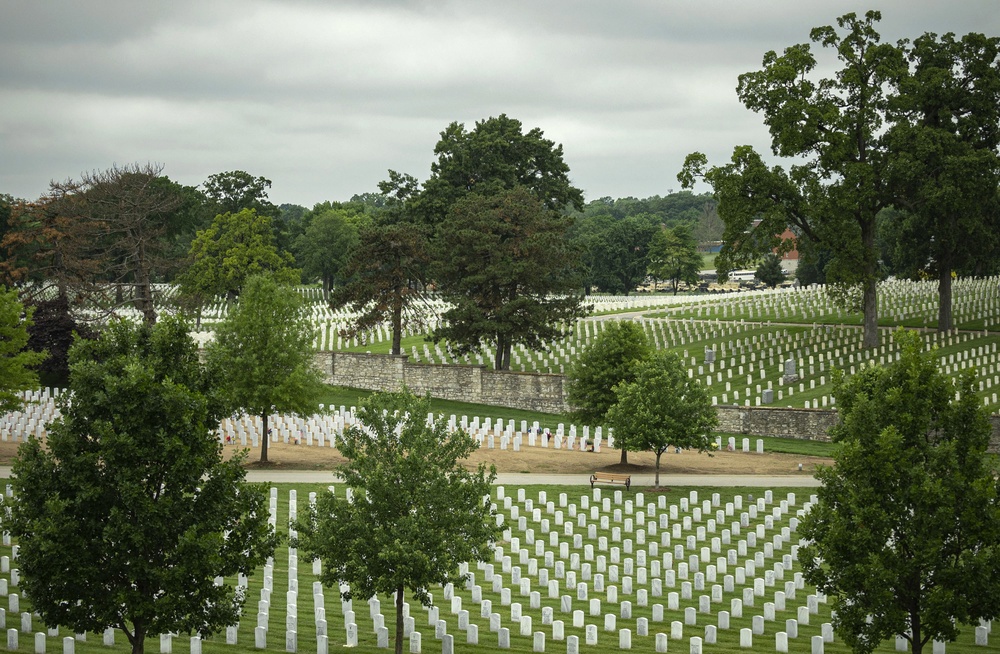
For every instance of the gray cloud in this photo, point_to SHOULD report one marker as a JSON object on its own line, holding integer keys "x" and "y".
{"x": 322, "y": 97}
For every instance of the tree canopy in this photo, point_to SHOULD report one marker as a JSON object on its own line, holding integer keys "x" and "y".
{"x": 505, "y": 264}
{"x": 662, "y": 407}
{"x": 835, "y": 127}
{"x": 235, "y": 190}
{"x": 610, "y": 360}
{"x": 325, "y": 246}
{"x": 128, "y": 512}
{"x": 906, "y": 530}
{"x": 944, "y": 160}
{"x": 16, "y": 363}
{"x": 384, "y": 278}
{"x": 769, "y": 271}
{"x": 235, "y": 247}
{"x": 416, "y": 514}
{"x": 495, "y": 156}
{"x": 674, "y": 256}
{"x": 263, "y": 354}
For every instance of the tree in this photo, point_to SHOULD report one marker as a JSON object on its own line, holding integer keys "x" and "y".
{"x": 132, "y": 213}
{"x": 235, "y": 190}
{"x": 263, "y": 354}
{"x": 905, "y": 532}
{"x": 945, "y": 167}
{"x": 232, "y": 249}
{"x": 384, "y": 278}
{"x": 113, "y": 226}
{"x": 53, "y": 329}
{"x": 416, "y": 514}
{"x": 504, "y": 263}
{"x": 611, "y": 359}
{"x": 674, "y": 256}
{"x": 16, "y": 362}
{"x": 662, "y": 407}
{"x": 51, "y": 243}
{"x": 495, "y": 156}
{"x": 128, "y": 512}
{"x": 709, "y": 227}
{"x": 835, "y": 127}
{"x": 324, "y": 248}
{"x": 621, "y": 255}
{"x": 769, "y": 271}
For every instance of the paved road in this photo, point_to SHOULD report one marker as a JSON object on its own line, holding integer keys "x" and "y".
{"x": 515, "y": 479}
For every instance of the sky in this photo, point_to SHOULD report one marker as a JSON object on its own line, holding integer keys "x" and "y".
{"x": 322, "y": 97}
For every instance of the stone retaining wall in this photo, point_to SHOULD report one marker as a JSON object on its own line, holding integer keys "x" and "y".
{"x": 546, "y": 393}
{"x": 476, "y": 384}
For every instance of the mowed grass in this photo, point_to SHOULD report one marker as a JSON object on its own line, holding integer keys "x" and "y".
{"x": 337, "y": 396}
{"x": 728, "y": 640}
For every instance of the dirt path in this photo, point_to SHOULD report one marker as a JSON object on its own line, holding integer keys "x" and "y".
{"x": 549, "y": 461}
{"x": 546, "y": 461}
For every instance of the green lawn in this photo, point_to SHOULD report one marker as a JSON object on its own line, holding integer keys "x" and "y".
{"x": 728, "y": 640}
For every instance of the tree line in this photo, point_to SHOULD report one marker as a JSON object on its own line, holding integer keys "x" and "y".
{"x": 497, "y": 229}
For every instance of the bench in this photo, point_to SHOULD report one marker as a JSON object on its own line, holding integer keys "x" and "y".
{"x": 610, "y": 478}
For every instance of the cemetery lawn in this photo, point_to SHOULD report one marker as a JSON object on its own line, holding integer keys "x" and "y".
{"x": 338, "y": 396}
{"x": 563, "y": 498}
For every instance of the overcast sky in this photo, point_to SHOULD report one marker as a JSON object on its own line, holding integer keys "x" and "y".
{"x": 322, "y": 97}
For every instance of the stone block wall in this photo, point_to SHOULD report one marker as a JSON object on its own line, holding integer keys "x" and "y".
{"x": 809, "y": 424}
{"x": 546, "y": 393}
{"x": 475, "y": 384}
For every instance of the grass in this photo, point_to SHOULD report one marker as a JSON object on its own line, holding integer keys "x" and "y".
{"x": 341, "y": 396}
{"x": 727, "y": 641}
{"x": 348, "y": 397}
{"x": 778, "y": 445}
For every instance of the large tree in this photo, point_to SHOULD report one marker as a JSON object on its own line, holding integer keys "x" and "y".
{"x": 906, "y": 533}
{"x": 611, "y": 359}
{"x": 620, "y": 253}
{"x": 263, "y": 354}
{"x": 128, "y": 512}
{"x": 662, "y": 407}
{"x": 132, "y": 210}
{"x": 50, "y": 243}
{"x": 674, "y": 256}
{"x": 384, "y": 278}
{"x": 235, "y": 190}
{"x": 116, "y": 226}
{"x": 835, "y": 127}
{"x": 16, "y": 362}
{"x": 944, "y": 162}
{"x": 505, "y": 264}
{"x": 497, "y": 155}
{"x": 416, "y": 514}
{"x": 235, "y": 247}
{"x": 769, "y": 271}
{"x": 325, "y": 246}
{"x": 54, "y": 330}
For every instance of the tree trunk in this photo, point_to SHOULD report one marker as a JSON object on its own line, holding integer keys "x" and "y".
{"x": 197, "y": 316}
{"x": 397, "y": 321}
{"x": 944, "y": 294}
{"x": 869, "y": 303}
{"x": 143, "y": 286}
{"x": 137, "y": 639}
{"x": 624, "y": 459}
{"x": 399, "y": 620}
{"x": 265, "y": 438}
{"x": 502, "y": 356}
{"x": 656, "y": 484}
{"x": 327, "y": 283}
{"x": 916, "y": 639}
